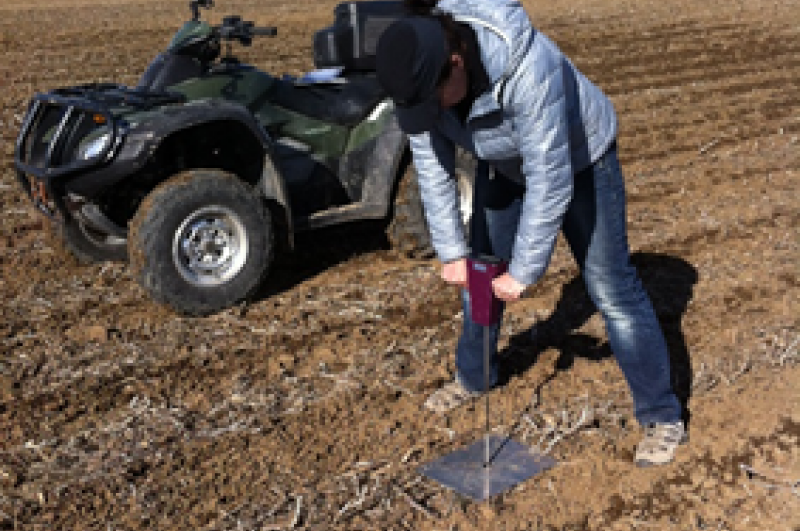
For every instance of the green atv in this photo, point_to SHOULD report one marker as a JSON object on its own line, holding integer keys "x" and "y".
{"x": 205, "y": 169}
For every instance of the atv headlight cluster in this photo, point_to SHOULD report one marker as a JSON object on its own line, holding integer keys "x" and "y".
{"x": 94, "y": 147}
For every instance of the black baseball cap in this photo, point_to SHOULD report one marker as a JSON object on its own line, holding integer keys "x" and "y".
{"x": 410, "y": 59}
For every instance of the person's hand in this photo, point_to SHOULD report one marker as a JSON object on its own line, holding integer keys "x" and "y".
{"x": 506, "y": 288}
{"x": 455, "y": 272}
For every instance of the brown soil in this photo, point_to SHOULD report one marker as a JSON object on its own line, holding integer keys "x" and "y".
{"x": 303, "y": 409}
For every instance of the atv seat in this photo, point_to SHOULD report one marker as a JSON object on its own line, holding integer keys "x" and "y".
{"x": 346, "y": 102}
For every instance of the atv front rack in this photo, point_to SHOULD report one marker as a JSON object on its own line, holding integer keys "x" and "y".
{"x": 57, "y": 122}
{"x": 115, "y": 95}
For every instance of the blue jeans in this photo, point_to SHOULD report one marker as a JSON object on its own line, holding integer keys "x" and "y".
{"x": 594, "y": 227}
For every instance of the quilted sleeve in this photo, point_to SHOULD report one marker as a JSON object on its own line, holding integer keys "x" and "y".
{"x": 434, "y": 160}
{"x": 539, "y": 114}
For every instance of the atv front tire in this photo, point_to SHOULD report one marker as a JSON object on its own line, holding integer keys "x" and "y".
{"x": 408, "y": 230}
{"x": 201, "y": 242}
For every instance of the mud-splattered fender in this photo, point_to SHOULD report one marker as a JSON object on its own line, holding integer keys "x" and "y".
{"x": 146, "y": 132}
{"x": 273, "y": 187}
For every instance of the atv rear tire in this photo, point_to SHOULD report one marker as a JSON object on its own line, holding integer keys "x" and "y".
{"x": 408, "y": 230}
{"x": 201, "y": 242}
{"x": 89, "y": 246}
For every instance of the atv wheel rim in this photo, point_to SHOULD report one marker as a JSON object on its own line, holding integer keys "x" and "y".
{"x": 210, "y": 246}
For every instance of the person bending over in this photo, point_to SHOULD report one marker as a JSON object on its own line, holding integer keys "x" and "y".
{"x": 478, "y": 75}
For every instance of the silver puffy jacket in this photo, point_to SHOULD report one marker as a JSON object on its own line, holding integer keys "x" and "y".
{"x": 540, "y": 124}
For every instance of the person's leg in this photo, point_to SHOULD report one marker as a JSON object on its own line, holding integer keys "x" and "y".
{"x": 594, "y": 227}
{"x": 496, "y": 208}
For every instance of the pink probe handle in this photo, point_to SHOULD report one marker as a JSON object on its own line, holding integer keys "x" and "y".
{"x": 484, "y": 306}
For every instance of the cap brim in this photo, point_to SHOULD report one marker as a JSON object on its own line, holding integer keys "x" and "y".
{"x": 419, "y": 118}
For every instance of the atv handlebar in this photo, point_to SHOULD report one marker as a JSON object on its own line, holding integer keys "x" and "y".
{"x": 236, "y": 29}
{"x": 195, "y": 6}
{"x": 268, "y": 31}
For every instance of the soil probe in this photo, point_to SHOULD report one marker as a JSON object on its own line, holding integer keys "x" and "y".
{"x": 496, "y": 464}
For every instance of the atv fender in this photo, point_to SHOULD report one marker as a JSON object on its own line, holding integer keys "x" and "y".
{"x": 273, "y": 187}
{"x": 381, "y": 161}
{"x": 371, "y": 173}
{"x": 152, "y": 130}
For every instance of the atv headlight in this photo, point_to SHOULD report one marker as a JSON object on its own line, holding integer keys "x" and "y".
{"x": 94, "y": 147}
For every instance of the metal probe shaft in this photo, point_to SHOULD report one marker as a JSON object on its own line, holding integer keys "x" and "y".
{"x": 487, "y": 348}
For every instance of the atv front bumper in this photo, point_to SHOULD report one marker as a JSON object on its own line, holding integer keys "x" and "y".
{"x": 41, "y": 195}
{"x": 48, "y": 141}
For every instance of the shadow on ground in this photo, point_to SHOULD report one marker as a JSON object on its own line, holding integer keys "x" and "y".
{"x": 668, "y": 280}
{"x": 319, "y": 250}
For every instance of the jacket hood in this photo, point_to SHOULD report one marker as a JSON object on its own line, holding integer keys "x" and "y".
{"x": 502, "y": 28}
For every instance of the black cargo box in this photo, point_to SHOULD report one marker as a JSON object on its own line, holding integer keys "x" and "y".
{"x": 352, "y": 39}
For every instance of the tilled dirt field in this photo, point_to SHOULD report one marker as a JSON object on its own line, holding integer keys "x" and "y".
{"x": 302, "y": 410}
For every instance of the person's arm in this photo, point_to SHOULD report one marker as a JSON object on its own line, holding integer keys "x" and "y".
{"x": 434, "y": 160}
{"x": 541, "y": 122}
